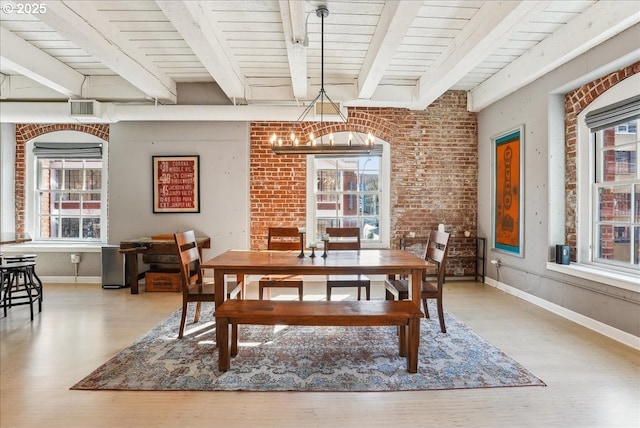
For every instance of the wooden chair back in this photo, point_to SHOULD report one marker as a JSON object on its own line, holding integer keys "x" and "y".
{"x": 189, "y": 259}
{"x": 436, "y": 251}
{"x": 283, "y": 238}
{"x": 343, "y": 238}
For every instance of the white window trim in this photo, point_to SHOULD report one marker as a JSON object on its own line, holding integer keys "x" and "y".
{"x": 385, "y": 203}
{"x": 31, "y": 176}
{"x": 615, "y": 279}
{"x": 584, "y": 268}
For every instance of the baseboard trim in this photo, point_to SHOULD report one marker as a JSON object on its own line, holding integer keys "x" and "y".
{"x": 72, "y": 279}
{"x": 597, "y": 326}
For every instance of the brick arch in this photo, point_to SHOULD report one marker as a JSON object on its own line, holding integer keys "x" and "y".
{"x": 28, "y": 131}
{"x": 574, "y": 103}
{"x": 277, "y": 189}
{"x": 360, "y": 120}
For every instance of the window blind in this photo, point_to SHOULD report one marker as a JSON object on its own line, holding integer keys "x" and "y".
{"x": 68, "y": 150}
{"x": 614, "y": 114}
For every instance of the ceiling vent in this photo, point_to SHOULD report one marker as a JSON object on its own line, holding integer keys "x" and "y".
{"x": 329, "y": 111}
{"x": 84, "y": 109}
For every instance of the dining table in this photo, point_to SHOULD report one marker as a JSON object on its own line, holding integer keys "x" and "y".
{"x": 344, "y": 262}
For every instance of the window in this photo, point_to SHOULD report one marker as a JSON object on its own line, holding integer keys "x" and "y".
{"x": 350, "y": 191}
{"x": 615, "y": 193}
{"x": 69, "y": 191}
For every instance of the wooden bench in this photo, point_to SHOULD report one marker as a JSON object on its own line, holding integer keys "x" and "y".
{"x": 403, "y": 314}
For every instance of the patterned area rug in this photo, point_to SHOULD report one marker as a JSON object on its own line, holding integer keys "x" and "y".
{"x": 295, "y": 358}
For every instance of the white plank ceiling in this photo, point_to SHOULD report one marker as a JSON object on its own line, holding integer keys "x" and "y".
{"x": 268, "y": 53}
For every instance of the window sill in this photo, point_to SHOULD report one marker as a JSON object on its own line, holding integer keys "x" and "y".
{"x": 614, "y": 279}
{"x": 53, "y": 247}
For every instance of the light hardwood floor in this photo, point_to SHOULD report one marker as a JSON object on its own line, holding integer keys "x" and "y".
{"x": 592, "y": 380}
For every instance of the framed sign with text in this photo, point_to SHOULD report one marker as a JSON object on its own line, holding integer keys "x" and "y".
{"x": 508, "y": 192}
{"x": 176, "y": 186}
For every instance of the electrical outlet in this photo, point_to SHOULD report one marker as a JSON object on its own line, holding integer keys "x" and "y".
{"x": 75, "y": 258}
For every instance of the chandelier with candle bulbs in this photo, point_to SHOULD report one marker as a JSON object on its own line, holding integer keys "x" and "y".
{"x": 293, "y": 142}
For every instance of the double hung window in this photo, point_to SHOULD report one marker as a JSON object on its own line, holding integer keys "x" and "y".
{"x": 69, "y": 194}
{"x": 350, "y": 191}
{"x": 615, "y": 189}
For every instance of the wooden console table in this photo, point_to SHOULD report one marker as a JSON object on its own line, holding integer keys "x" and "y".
{"x": 163, "y": 248}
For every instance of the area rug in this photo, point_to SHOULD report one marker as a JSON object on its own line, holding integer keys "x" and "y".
{"x": 298, "y": 358}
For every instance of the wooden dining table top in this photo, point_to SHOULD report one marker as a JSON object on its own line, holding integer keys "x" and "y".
{"x": 371, "y": 261}
{"x": 342, "y": 262}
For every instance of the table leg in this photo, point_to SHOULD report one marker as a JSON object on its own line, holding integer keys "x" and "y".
{"x": 222, "y": 333}
{"x": 219, "y": 296}
{"x": 131, "y": 260}
{"x": 220, "y": 289}
{"x": 416, "y": 286}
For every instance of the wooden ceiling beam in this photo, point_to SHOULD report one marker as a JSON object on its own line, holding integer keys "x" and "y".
{"x": 83, "y": 25}
{"x": 198, "y": 26}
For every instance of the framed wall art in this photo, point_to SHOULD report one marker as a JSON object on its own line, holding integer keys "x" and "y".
{"x": 508, "y": 192}
{"x": 176, "y": 186}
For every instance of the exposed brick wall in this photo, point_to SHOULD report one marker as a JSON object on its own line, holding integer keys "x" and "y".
{"x": 26, "y": 132}
{"x": 434, "y": 158}
{"x": 434, "y": 169}
{"x": 575, "y": 102}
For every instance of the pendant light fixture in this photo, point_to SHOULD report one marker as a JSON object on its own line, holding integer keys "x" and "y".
{"x": 294, "y": 143}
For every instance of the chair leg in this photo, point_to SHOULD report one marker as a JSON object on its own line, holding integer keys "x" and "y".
{"x": 389, "y": 295}
{"x": 183, "y": 320}
{"x": 441, "y": 316}
{"x": 260, "y": 292}
{"x": 426, "y": 308}
{"x": 359, "y": 292}
{"x": 29, "y": 290}
{"x": 368, "y": 292}
{"x": 300, "y": 294}
{"x": 39, "y": 286}
{"x": 328, "y": 293}
{"x": 196, "y": 316}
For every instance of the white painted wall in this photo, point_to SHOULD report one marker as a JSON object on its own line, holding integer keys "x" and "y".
{"x": 536, "y": 106}
{"x": 223, "y": 148}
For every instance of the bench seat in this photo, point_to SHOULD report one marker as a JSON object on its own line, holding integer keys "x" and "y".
{"x": 403, "y": 314}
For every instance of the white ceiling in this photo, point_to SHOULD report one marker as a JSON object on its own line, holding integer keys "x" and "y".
{"x": 266, "y": 54}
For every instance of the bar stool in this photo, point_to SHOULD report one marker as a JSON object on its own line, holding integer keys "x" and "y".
{"x": 17, "y": 286}
{"x": 33, "y": 277}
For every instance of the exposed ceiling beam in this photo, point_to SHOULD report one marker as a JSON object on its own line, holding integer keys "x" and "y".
{"x": 24, "y": 58}
{"x": 595, "y": 25}
{"x": 58, "y": 112}
{"x": 199, "y": 29}
{"x": 293, "y": 24}
{"x": 486, "y": 31}
{"x": 392, "y": 27}
{"x": 84, "y": 26}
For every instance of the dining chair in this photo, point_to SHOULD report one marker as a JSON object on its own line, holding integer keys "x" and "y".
{"x": 436, "y": 252}
{"x": 194, "y": 289}
{"x": 282, "y": 239}
{"x": 345, "y": 238}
